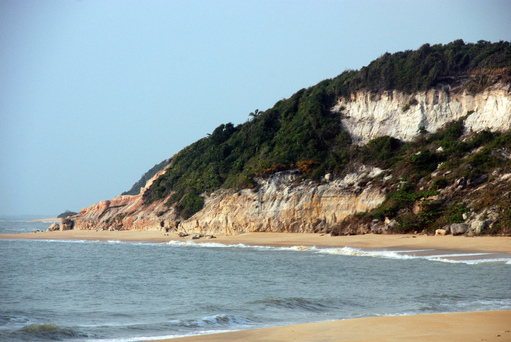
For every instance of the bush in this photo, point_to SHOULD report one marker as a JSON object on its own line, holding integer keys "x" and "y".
{"x": 425, "y": 161}
{"x": 439, "y": 183}
{"x": 455, "y": 212}
{"x": 381, "y": 149}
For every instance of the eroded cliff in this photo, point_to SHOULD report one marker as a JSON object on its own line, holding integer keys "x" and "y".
{"x": 285, "y": 202}
{"x": 369, "y": 115}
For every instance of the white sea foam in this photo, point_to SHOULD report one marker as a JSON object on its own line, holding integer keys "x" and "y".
{"x": 164, "y": 337}
{"x": 66, "y": 241}
{"x": 407, "y": 254}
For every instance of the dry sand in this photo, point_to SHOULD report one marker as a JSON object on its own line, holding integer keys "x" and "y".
{"x": 452, "y": 327}
{"x": 472, "y": 326}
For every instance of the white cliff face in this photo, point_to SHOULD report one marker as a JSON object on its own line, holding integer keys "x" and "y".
{"x": 368, "y": 115}
{"x": 282, "y": 205}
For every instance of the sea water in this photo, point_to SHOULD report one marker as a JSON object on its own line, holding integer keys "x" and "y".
{"x": 117, "y": 291}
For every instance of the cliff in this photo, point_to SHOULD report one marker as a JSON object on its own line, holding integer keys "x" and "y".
{"x": 126, "y": 212}
{"x": 415, "y": 141}
{"x": 367, "y": 115}
{"x": 283, "y": 202}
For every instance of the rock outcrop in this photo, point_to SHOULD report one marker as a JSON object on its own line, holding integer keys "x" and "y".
{"x": 281, "y": 204}
{"x": 369, "y": 115}
{"x": 53, "y": 227}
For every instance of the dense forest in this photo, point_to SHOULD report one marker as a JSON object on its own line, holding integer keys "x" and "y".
{"x": 301, "y": 132}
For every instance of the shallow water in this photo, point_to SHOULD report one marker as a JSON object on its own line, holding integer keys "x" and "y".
{"x": 116, "y": 291}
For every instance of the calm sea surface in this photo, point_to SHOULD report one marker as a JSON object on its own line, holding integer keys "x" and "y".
{"x": 115, "y": 291}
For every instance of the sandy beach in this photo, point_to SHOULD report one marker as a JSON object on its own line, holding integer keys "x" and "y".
{"x": 391, "y": 241}
{"x": 452, "y": 327}
{"x": 470, "y": 326}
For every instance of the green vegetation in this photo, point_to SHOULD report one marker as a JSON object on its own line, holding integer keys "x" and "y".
{"x": 303, "y": 133}
{"x": 412, "y": 71}
{"x": 67, "y": 213}
{"x": 414, "y": 199}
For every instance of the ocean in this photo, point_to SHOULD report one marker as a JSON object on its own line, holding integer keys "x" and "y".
{"x": 124, "y": 291}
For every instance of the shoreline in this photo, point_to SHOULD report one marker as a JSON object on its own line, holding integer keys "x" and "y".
{"x": 463, "y": 326}
{"x": 439, "y": 327}
{"x": 496, "y": 244}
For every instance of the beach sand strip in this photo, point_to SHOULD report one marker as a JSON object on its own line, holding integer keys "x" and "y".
{"x": 368, "y": 241}
{"x": 452, "y": 327}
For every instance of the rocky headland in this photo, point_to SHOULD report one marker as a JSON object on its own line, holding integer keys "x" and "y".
{"x": 415, "y": 142}
{"x": 283, "y": 202}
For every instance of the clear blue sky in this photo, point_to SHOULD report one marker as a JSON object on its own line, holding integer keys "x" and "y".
{"x": 94, "y": 93}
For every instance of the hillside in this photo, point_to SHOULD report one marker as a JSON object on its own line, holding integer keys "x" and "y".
{"x": 135, "y": 189}
{"x": 388, "y": 126}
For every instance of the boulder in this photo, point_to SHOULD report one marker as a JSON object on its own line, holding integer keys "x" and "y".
{"x": 441, "y": 232}
{"x": 478, "y": 226}
{"x": 67, "y": 224}
{"x": 53, "y": 227}
{"x": 459, "y": 228}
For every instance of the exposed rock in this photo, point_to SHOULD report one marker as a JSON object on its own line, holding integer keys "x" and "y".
{"x": 67, "y": 224}
{"x": 369, "y": 115}
{"x": 478, "y": 226}
{"x": 53, "y": 227}
{"x": 441, "y": 232}
{"x": 459, "y": 228}
{"x": 479, "y": 222}
{"x": 281, "y": 205}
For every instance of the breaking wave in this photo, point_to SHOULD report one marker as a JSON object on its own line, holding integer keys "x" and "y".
{"x": 294, "y": 304}
{"x": 461, "y": 258}
{"x": 215, "y": 321}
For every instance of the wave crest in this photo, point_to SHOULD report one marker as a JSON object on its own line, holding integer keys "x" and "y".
{"x": 221, "y": 320}
{"x": 294, "y": 304}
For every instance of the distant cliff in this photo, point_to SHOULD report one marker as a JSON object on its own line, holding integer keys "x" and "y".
{"x": 349, "y": 156}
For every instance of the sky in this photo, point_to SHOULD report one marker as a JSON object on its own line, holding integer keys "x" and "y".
{"x": 94, "y": 93}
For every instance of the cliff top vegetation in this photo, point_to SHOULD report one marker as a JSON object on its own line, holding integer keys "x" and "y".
{"x": 302, "y": 132}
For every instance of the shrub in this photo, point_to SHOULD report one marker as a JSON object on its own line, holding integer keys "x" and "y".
{"x": 439, "y": 183}
{"x": 425, "y": 160}
{"x": 381, "y": 150}
{"x": 455, "y": 212}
